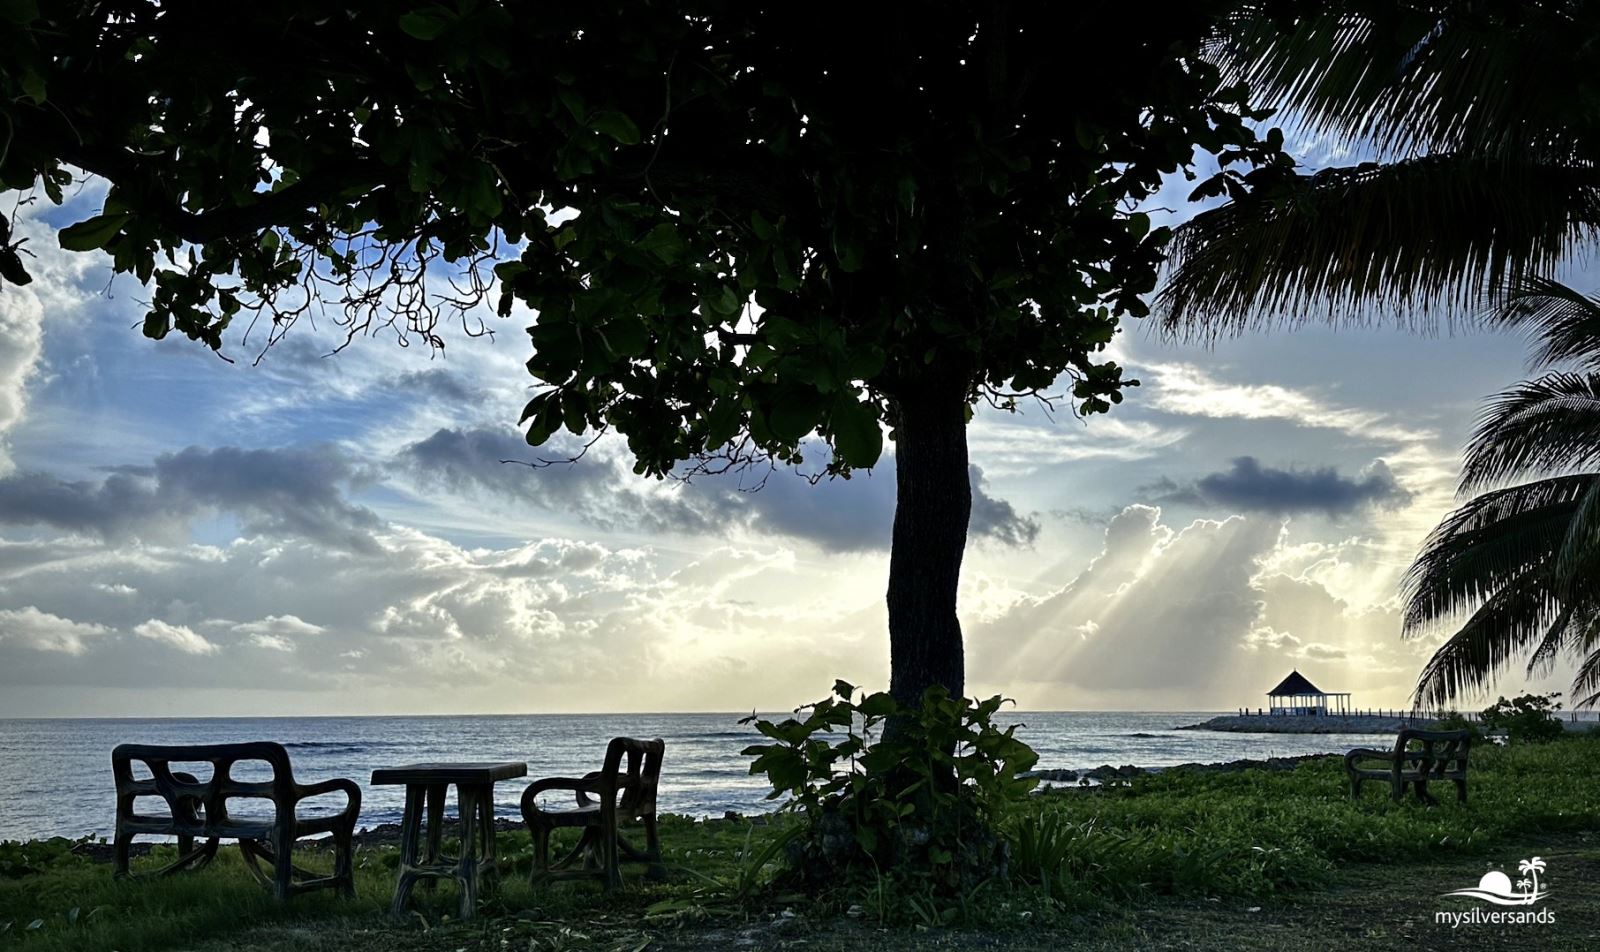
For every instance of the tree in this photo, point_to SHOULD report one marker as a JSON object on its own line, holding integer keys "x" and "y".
{"x": 736, "y": 224}
{"x": 1527, "y": 719}
{"x": 1522, "y": 560}
{"x": 1481, "y": 116}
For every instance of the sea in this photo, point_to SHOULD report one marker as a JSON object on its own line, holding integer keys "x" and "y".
{"x": 55, "y": 774}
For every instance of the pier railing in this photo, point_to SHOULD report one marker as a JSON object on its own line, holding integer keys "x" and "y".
{"x": 1575, "y": 717}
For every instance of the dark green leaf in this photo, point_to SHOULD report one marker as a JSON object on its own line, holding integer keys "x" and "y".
{"x": 617, "y": 126}
{"x": 11, "y": 267}
{"x": 19, "y": 11}
{"x": 427, "y": 24}
{"x": 93, "y": 233}
{"x": 664, "y": 242}
{"x": 857, "y": 439}
{"x": 795, "y": 415}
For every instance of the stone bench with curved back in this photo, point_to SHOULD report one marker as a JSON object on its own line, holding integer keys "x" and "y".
{"x": 200, "y": 810}
{"x": 1437, "y": 755}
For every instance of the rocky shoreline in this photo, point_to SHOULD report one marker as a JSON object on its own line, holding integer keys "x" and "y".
{"x": 1321, "y": 724}
{"x": 1107, "y": 772}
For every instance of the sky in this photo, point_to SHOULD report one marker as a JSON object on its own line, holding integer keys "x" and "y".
{"x": 337, "y": 534}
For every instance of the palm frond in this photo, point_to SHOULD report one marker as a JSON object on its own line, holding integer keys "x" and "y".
{"x": 1556, "y": 637}
{"x": 1502, "y": 628}
{"x": 1578, "y": 559}
{"x": 1409, "y": 242}
{"x": 1583, "y": 635}
{"x": 1563, "y": 324}
{"x": 1547, "y": 425}
{"x": 1487, "y": 77}
{"x": 1485, "y": 545}
{"x": 1587, "y": 679}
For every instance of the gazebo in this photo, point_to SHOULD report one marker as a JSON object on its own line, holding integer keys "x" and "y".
{"x": 1297, "y": 696}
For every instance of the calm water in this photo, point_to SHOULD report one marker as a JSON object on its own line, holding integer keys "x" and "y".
{"x": 55, "y": 775}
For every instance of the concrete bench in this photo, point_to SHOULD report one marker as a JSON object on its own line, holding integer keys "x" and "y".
{"x": 200, "y": 810}
{"x": 617, "y": 793}
{"x": 1436, "y": 755}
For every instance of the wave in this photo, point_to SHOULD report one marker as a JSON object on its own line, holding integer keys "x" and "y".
{"x": 1502, "y": 899}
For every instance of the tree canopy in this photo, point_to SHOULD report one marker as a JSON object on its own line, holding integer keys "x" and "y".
{"x": 736, "y": 224}
{"x": 1476, "y": 123}
{"x": 1512, "y": 572}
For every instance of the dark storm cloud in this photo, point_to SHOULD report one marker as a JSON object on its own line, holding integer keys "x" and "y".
{"x": 857, "y": 515}
{"x": 997, "y": 519}
{"x": 487, "y": 460}
{"x": 441, "y": 385}
{"x": 838, "y": 515}
{"x": 1248, "y": 486}
{"x": 289, "y": 492}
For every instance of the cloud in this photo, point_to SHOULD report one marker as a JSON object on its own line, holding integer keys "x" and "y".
{"x": 289, "y": 492}
{"x": 57, "y": 291}
{"x": 997, "y": 519}
{"x": 42, "y": 631}
{"x": 1249, "y": 486}
{"x": 292, "y": 492}
{"x": 1203, "y": 617}
{"x": 280, "y": 627}
{"x": 482, "y": 462}
{"x": 21, "y": 341}
{"x": 1012, "y": 447}
{"x": 501, "y": 629}
{"x": 441, "y": 385}
{"x": 1187, "y": 390}
{"x": 854, "y": 515}
{"x": 177, "y": 636}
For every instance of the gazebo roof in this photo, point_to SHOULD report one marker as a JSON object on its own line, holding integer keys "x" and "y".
{"x": 1294, "y": 684}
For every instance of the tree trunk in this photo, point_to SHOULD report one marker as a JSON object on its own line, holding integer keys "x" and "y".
{"x": 932, "y": 507}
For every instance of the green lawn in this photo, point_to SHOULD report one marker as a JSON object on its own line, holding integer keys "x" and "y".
{"x": 1175, "y": 860}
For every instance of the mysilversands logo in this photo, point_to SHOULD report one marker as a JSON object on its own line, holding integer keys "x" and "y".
{"x": 1496, "y": 887}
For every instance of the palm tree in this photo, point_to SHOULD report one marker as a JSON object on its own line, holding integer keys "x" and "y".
{"x": 1523, "y": 559}
{"x": 1532, "y": 867}
{"x": 1484, "y": 118}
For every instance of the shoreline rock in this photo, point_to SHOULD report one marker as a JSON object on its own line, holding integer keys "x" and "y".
{"x": 1053, "y": 774}
{"x": 1107, "y": 775}
{"x": 1329, "y": 724}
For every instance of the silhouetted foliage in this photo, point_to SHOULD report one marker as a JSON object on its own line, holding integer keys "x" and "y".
{"x": 929, "y": 793}
{"x": 1519, "y": 561}
{"x": 734, "y": 224}
{"x": 1478, "y": 120}
{"x": 1525, "y": 719}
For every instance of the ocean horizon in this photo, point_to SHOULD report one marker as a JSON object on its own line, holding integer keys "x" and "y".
{"x": 58, "y": 769}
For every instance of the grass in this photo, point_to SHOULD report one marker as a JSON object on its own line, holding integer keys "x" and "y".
{"x": 1253, "y": 834}
{"x": 78, "y": 906}
{"x": 1168, "y": 857}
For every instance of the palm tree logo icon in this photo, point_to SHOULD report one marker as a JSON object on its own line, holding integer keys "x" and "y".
{"x": 1495, "y": 886}
{"x": 1532, "y": 867}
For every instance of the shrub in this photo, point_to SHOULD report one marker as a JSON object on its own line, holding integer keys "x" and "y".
{"x": 1526, "y": 719}
{"x": 1456, "y": 721}
{"x": 880, "y": 787}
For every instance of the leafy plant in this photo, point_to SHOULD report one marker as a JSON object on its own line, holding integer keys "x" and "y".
{"x": 1456, "y": 721}
{"x": 30, "y": 858}
{"x": 879, "y": 785}
{"x": 777, "y": 239}
{"x": 1525, "y": 719}
{"x": 751, "y": 873}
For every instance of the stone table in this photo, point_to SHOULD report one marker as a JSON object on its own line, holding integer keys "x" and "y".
{"x": 426, "y": 786}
